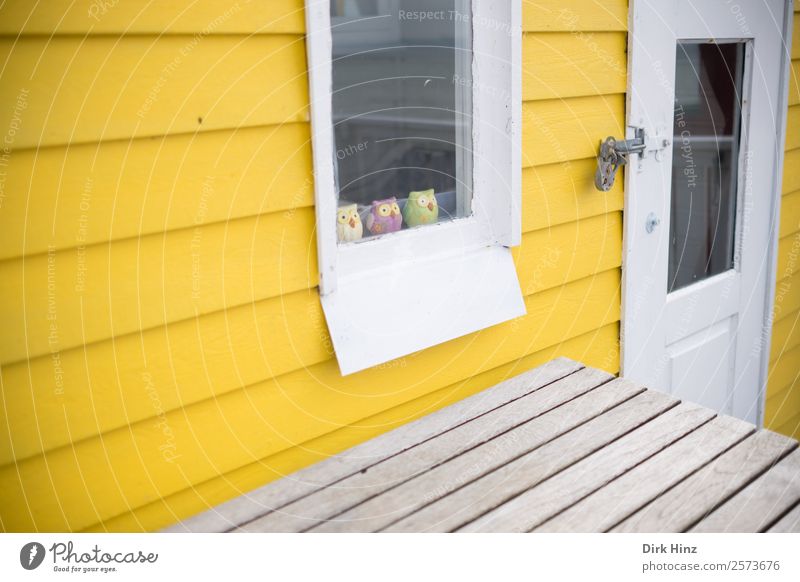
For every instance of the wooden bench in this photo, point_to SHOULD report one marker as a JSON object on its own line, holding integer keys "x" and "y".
{"x": 560, "y": 448}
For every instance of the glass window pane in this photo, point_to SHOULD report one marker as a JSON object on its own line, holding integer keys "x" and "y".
{"x": 708, "y": 93}
{"x": 402, "y": 114}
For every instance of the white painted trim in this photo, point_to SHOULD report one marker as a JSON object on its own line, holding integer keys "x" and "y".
{"x": 772, "y": 270}
{"x": 418, "y": 304}
{"x": 643, "y": 321}
{"x": 319, "y": 47}
{"x": 439, "y": 252}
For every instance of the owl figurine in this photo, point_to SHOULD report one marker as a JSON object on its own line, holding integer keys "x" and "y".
{"x": 384, "y": 216}
{"x": 348, "y": 224}
{"x": 421, "y": 208}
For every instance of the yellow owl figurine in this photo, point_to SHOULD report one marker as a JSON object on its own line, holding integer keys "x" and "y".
{"x": 348, "y": 224}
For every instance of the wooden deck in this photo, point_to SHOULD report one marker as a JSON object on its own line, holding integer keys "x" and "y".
{"x": 560, "y": 448}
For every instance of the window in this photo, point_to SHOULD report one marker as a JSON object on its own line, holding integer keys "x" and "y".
{"x": 705, "y": 160}
{"x": 401, "y": 116}
{"x": 416, "y": 134}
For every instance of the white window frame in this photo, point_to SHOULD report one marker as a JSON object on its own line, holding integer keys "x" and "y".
{"x": 472, "y": 252}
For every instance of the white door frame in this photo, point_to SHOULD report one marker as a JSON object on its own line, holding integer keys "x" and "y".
{"x": 630, "y": 303}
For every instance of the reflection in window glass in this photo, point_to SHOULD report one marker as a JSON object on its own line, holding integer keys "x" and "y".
{"x": 708, "y": 93}
{"x": 402, "y": 114}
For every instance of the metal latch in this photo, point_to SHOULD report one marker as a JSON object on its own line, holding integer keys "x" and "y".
{"x": 614, "y": 154}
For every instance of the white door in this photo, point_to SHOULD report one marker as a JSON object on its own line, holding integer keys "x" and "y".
{"x": 705, "y": 85}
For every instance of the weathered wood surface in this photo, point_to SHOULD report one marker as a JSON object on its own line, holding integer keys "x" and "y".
{"x": 691, "y": 500}
{"x": 761, "y": 503}
{"x": 357, "y": 488}
{"x": 622, "y": 497}
{"x": 306, "y": 481}
{"x": 560, "y": 448}
{"x": 391, "y": 506}
{"x": 789, "y": 523}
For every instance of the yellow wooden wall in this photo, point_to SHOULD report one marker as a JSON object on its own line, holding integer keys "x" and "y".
{"x": 782, "y": 411}
{"x": 162, "y": 346}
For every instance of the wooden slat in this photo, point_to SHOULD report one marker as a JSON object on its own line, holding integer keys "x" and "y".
{"x": 790, "y": 214}
{"x": 791, "y": 171}
{"x": 334, "y": 499}
{"x": 789, "y": 523}
{"x": 787, "y": 296}
{"x": 689, "y": 501}
{"x": 145, "y": 16}
{"x": 759, "y": 504}
{"x": 788, "y": 255}
{"x": 785, "y": 336}
{"x": 565, "y": 192}
{"x": 271, "y": 337}
{"x": 566, "y": 64}
{"x": 575, "y": 15}
{"x": 796, "y": 34}
{"x": 137, "y": 376}
{"x": 790, "y": 428}
{"x": 62, "y": 197}
{"x": 486, "y": 493}
{"x": 784, "y": 379}
{"x": 794, "y": 81}
{"x": 793, "y": 123}
{"x": 78, "y": 90}
{"x": 783, "y": 403}
{"x": 542, "y": 502}
{"x": 558, "y": 130}
{"x": 551, "y": 257}
{"x": 383, "y": 510}
{"x": 592, "y": 348}
{"x": 136, "y": 284}
{"x": 625, "y": 495}
{"x": 315, "y": 477}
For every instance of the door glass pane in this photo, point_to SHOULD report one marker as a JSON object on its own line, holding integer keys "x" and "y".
{"x": 402, "y": 91}
{"x": 708, "y": 93}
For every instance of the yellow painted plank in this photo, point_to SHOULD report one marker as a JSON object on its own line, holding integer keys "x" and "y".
{"x": 203, "y": 17}
{"x": 555, "y": 256}
{"x": 796, "y": 35}
{"x": 569, "y": 129}
{"x": 793, "y": 126}
{"x": 787, "y": 296}
{"x": 564, "y": 192}
{"x": 788, "y": 255}
{"x": 790, "y": 214}
{"x": 574, "y": 15}
{"x": 794, "y": 80}
{"x": 190, "y": 361}
{"x": 74, "y": 90}
{"x": 785, "y": 336}
{"x": 107, "y": 385}
{"x": 598, "y": 348}
{"x": 783, "y": 403}
{"x": 63, "y": 197}
{"x": 791, "y": 171}
{"x": 565, "y": 64}
{"x": 790, "y": 428}
{"x": 136, "y": 466}
{"x": 56, "y": 301}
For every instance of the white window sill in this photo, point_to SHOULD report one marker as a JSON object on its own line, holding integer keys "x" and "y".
{"x": 399, "y": 309}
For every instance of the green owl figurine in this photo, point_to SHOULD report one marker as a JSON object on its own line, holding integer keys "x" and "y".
{"x": 421, "y": 208}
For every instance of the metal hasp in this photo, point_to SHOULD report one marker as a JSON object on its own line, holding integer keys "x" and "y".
{"x": 614, "y": 154}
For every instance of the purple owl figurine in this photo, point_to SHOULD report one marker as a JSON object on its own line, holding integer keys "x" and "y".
{"x": 384, "y": 216}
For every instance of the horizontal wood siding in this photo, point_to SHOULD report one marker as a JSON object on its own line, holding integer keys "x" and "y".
{"x": 782, "y": 410}
{"x": 164, "y": 348}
